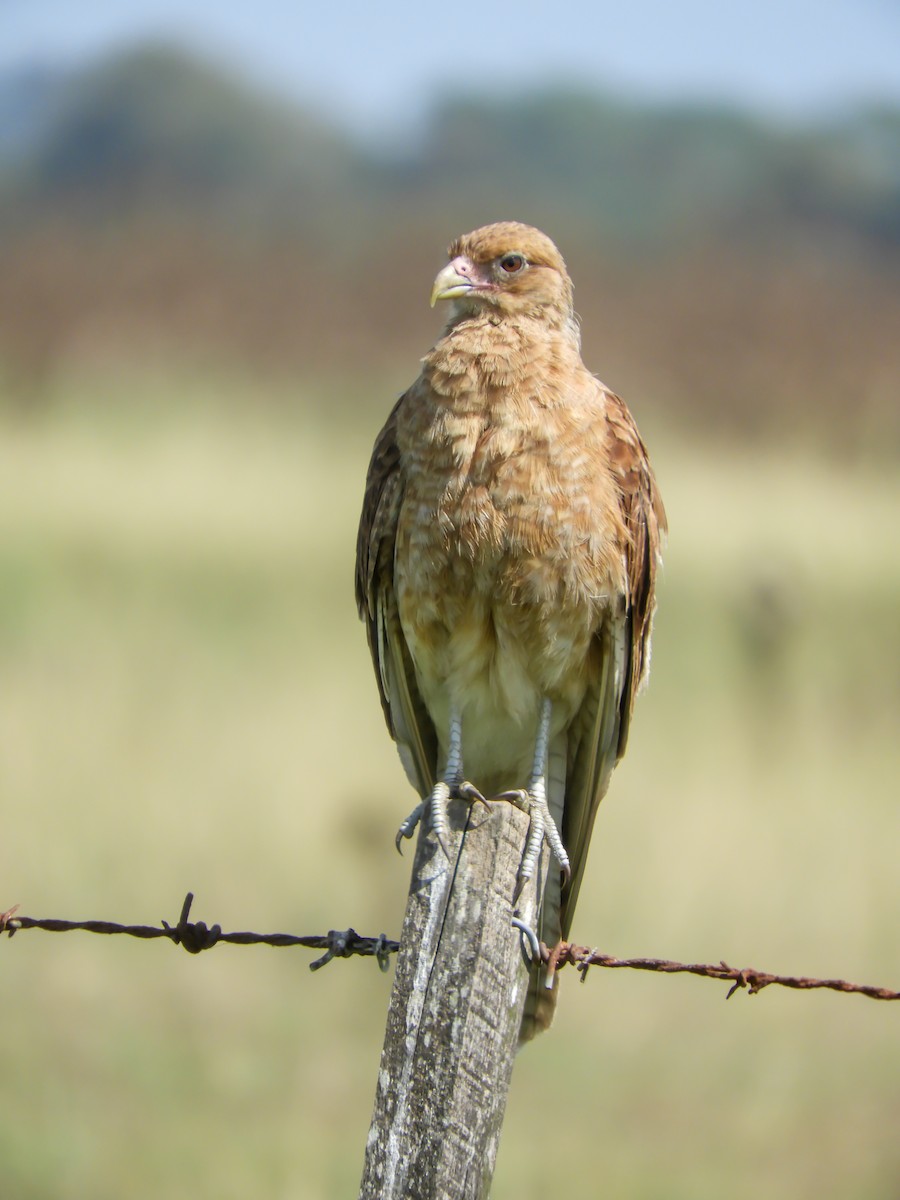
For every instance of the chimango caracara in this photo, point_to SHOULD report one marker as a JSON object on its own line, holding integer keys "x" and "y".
{"x": 506, "y": 560}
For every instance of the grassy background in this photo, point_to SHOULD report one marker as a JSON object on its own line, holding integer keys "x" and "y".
{"x": 187, "y": 702}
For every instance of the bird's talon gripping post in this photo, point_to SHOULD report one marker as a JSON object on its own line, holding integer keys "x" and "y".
{"x": 542, "y": 826}
{"x": 436, "y": 806}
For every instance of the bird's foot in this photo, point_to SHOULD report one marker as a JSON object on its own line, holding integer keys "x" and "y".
{"x": 534, "y": 802}
{"x": 436, "y": 806}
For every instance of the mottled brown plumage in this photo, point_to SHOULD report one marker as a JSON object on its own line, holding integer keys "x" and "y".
{"x": 508, "y": 547}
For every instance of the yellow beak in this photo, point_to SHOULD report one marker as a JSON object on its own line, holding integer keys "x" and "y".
{"x": 449, "y": 284}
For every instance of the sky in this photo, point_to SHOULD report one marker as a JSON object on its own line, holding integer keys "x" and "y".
{"x": 376, "y": 65}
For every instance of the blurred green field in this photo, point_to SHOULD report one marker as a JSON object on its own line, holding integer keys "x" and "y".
{"x": 187, "y": 702}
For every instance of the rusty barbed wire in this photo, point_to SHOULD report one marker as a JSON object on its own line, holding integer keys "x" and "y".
{"x": 195, "y": 936}
{"x": 583, "y": 958}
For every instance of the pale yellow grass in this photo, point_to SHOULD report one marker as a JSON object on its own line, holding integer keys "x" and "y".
{"x": 187, "y": 702}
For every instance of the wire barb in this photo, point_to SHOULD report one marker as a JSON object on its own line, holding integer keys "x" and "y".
{"x": 193, "y": 936}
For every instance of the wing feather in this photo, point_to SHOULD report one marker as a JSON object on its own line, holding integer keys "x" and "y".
{"x": 407, "y": 718}
{"x": 599, "y": 732}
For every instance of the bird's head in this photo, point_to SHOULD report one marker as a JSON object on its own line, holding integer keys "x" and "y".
{"x": 509, "y": 269}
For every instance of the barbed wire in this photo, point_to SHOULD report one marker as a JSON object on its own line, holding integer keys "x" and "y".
{"x": 195, "y": 936}
{"x": 583, "y": 958}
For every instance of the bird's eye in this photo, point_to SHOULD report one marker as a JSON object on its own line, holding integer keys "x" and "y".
{"x": 511, "y": 263}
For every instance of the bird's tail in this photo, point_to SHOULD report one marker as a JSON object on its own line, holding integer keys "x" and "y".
{"x": 540, "y": 1003}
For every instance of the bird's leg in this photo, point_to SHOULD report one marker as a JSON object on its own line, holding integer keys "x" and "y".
{"x": 451, "y": 785}
{"x": 534, "y": 802}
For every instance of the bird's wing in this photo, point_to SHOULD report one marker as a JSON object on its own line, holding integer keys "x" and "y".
{"x": 598, "y": 734}
{"x": 407, "y": 718}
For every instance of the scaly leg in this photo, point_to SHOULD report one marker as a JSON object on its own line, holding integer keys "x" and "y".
{"x": 534, "y": 802}
{"x": 452, "y": 785}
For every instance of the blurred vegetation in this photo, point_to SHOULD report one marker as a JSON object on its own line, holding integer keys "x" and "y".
{"x": 747, "y": 273}
{"x": 207, "y": 301}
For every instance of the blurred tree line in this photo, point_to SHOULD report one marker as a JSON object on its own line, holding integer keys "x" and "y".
{"x": 152, "y": 207}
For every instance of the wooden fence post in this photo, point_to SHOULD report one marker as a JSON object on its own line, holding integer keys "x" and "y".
{"x": 453, "y": 1022}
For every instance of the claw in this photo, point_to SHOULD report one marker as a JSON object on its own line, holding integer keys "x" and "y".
{"x": 408, "y": 828}
{"x": 468, "y": 791}
{"x": 517, "y": 796}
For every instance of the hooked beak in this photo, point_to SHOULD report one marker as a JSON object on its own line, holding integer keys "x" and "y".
{"x": 449, "y": 284}
{"x": 461, "y": 277}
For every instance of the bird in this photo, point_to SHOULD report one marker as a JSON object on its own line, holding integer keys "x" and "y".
{"x": 506, "y": 564}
